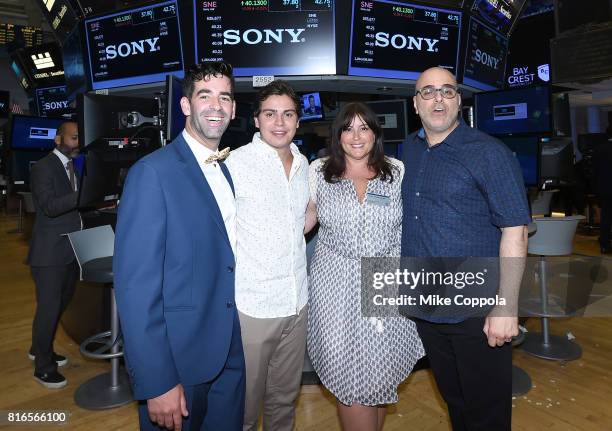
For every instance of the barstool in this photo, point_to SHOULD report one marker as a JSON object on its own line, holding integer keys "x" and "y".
{"x": 554, "y": 237}
{"x": 94, "y": 250}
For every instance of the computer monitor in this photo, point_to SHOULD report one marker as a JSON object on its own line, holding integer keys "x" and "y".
{"x": 311, "y": 107}
{"x": 34, "y": 133}
{"x": 526, "y": 149}
{"x": 397, "y": 39}
{"x": 521, "y": 110}
{"x": 114, "y": 132}
{"x": 557, "y": 161}
{"x": 136, "y": 46}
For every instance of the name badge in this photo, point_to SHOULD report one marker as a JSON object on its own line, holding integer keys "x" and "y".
{"x": 380, "y": 200}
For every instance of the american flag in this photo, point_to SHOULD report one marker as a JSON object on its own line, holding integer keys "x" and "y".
{"x": 16, "y": 108}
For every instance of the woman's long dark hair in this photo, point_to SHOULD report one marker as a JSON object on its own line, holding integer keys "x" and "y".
{"x": 335, "y": 165}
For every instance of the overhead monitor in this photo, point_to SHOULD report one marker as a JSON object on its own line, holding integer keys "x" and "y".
{"x": 24, "y": 80}
{"x": 485, "y": 57}
{"x": 33, "y": 133}
{"x": 312, "y": 109}
{"x": 133, "y": 47}
{"x": 526, "y": 149}
{"x": 74, "y": 65}
{"x": 99, "y": 7}
{"x": 499, "y": 14}
{"x": 529, "y": 51}
{"x": 43, "y": 64}
{"x": 61, "y": 16}
{"x": 523, "y": 110}
{"x": 390, "y": 39}
{"x": 52, "y": 101}
{"x": 267, "y": 37}
{"x": 13, "y": 36}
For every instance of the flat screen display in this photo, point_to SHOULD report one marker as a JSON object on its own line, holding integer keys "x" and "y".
{"x": 134, "y": 47}
{"x": 399, "y": 40}
{"x": 311, "y": 107}
{"x": 267, "y": 37}
{"x": 74, "y": 65}
{"x": 499, "y": 14}
{"x": 525, "y": 110}
{"x": 529, "y": 57}
{"x": 33, "y": 133}
{"x": 21, "y": 77}
{"x": 485, "y": 57}
{"x": 52, "y": 102}
{"x": 43, "y": 63}
{"x": 526, "y": 149}
{"x": 61, "y": 16}
{"x": 13, "y": 36}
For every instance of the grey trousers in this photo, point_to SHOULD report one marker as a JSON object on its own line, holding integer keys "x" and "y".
{"x": 274, "y": 356}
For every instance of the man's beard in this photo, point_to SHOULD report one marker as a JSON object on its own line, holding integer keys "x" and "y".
{"x": 71, "y": 153}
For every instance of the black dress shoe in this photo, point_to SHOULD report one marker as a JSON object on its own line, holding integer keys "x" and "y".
{"x": 53, "y": 380}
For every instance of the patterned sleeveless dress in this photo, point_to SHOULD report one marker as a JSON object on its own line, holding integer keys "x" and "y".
{"x": 358, "y": 359}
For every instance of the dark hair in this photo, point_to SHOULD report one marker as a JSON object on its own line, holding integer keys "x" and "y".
{"x": 276, "y": 88}
{"x": 335, "y": 165}
{"x": 204, "y": 71}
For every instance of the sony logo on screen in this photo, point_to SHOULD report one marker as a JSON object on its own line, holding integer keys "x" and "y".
{"x": 135, "y": 47}
{"x": 62, "y": 104}
{"x": 253, "y": 36}
{"x": 486, "y": 59}
{"x": 399, "y": 41}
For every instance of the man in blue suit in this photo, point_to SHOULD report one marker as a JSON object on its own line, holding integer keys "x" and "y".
{"x": 174, "y": 270}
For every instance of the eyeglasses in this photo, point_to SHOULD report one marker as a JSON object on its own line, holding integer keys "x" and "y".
{"x": 429, "y": 92}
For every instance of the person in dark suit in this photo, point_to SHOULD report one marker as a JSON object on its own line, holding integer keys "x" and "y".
{"x": 52, "y": 262}
{"x": 174, "y": 270}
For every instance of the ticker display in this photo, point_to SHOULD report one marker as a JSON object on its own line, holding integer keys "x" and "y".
{"x": 499, "y": 14}
{"x": 267, "y": 37}
{"x": 52, "y": 102}
{"x": 19, "y": 36}
{"x": 485, "y": 57}
{"x": 399, "y": 40}
{"x": 134, "y": 47}
{"x": 61, "y": 16}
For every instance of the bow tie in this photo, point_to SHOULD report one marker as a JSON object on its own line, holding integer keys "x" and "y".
{"x": 218, "y": 155}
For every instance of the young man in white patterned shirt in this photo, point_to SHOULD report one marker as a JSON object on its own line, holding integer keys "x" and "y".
{"x": 271, "y": 182}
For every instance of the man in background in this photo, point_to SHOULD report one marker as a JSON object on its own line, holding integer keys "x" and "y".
{"x": 51, "y": 259}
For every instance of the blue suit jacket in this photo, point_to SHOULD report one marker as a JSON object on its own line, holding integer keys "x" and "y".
{"x": 174, "y": 273}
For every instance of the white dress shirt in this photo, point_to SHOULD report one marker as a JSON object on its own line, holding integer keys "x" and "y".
{"x": 271, "y": 250}
{"x": 64, "y": 159}
{"x": 219, "y": 185}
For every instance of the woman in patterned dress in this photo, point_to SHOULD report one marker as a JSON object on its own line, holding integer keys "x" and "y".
{"x": 356, "y": 197}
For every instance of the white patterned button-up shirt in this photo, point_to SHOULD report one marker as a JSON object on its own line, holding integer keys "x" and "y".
{"x": 271, "y": 250}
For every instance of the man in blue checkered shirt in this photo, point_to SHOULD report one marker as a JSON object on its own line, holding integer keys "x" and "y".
{"x": 463, "y": 196}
